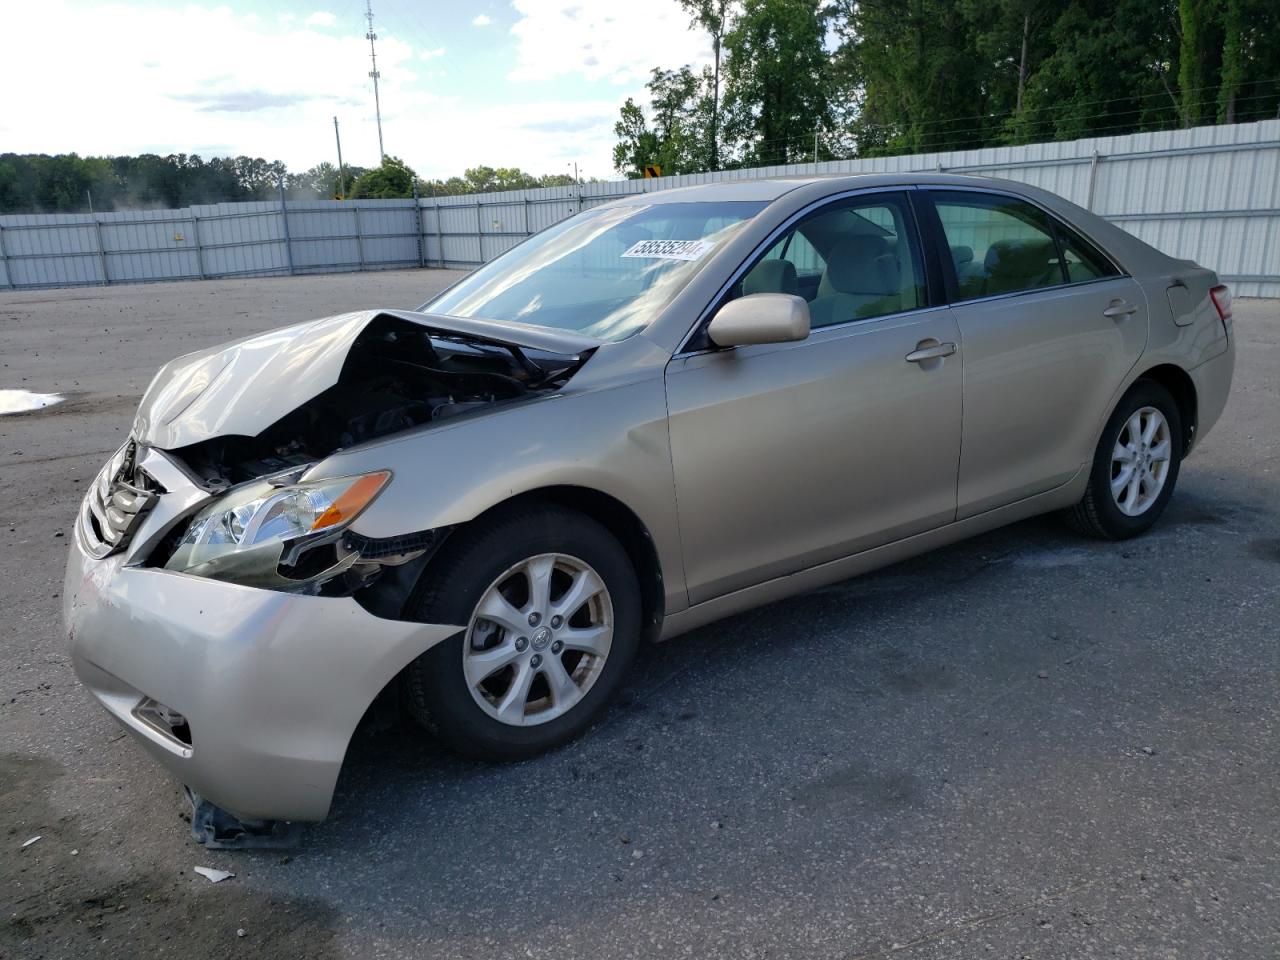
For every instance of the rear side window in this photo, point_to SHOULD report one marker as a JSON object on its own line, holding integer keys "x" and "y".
{"x": 1081, "y": 258}
{"x": 998, "y": 244}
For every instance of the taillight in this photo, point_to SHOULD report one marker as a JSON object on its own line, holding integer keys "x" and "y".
{"x": 1221, "y": 297}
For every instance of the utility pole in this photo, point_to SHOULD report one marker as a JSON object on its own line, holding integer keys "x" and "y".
{"x": 342, "y": 171}
{"x": 373, "y": 56}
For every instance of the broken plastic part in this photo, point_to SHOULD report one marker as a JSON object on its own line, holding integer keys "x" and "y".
{"x": 213, "y": 874}
{"x": 218, "y": 829}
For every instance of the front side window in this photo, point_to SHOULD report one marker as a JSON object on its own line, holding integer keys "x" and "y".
{"x": 998, "y": 244}
{"x": 851, "y": 260}
{"x": 605, "y": 272}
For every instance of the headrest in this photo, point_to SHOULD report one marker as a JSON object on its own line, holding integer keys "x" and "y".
{"x": 1019, "y": 258}
{"x": 771, "y": 276}
{"x": 862, "y": 263}
{"x": 962, "y": 254}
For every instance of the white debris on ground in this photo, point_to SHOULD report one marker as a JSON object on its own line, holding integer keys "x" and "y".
{"x": 23, "y": 401}
{"x": 30, "y": 842}
{"x": 214, "y": 875}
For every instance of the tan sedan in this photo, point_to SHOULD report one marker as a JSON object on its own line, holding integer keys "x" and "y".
{"x": 659, "y": 412}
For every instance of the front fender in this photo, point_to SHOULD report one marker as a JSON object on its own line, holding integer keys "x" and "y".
{"x": 609, "y": 438}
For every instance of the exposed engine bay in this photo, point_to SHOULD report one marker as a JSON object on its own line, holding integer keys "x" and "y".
{"x": 397, "y": 376}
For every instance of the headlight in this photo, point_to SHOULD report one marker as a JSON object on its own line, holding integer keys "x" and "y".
{"x": 242, "y": 535}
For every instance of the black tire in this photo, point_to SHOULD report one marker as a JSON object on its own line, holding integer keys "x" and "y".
{"x": 435, "y": 690}
{"x": 1097, "y": 514}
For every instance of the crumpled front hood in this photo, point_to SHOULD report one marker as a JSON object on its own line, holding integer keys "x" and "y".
{"x": 243, "y": 387}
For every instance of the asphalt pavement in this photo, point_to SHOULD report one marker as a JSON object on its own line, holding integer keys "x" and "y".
{"x": 1024, "y": 745}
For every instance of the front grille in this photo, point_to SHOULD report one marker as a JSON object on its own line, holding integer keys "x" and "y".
{"x": 119, "y": 497}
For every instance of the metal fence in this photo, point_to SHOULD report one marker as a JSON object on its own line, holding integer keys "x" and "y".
{"x": 1210, "y": 194}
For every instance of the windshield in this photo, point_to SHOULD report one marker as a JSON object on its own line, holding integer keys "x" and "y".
{"x": 605, "y": 272}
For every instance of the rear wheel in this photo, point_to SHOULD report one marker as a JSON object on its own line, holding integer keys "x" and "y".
{"x": 1135, "y": 467}
{"x": 552, "y": 612}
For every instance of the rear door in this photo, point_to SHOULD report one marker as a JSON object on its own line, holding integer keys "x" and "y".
{"x": 1050, "y": 328}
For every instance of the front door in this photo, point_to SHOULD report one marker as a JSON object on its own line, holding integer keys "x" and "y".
{"x": 791, "y": 455}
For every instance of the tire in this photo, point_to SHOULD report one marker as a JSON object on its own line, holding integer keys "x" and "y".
{"x": 485, "y": 719}
{"x": 1111, "y": 516}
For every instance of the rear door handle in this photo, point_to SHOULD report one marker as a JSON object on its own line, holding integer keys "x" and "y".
{"x": 1118, "y": 309}
{"x": 934, "y": 352}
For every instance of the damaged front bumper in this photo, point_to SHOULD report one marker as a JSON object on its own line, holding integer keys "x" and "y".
{"x": 248, "y": 696}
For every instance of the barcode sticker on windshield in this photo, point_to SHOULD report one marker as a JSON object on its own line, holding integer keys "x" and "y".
{"x": 670, "y": 249}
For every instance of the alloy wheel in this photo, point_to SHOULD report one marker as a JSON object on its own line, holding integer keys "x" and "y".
{"x": 1140, "y": 461}
{"x": 538, "y": 639}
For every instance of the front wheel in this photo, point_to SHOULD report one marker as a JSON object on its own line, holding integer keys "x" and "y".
{"x": 1135, "y": 467}
{"x": 552, "y": 612}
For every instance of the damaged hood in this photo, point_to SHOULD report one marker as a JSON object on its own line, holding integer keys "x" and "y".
{"x": 243, "y": 387}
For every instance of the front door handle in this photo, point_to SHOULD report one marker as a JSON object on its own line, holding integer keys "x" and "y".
{"x": 1119, "y": 309}
{"x": 936, "y": 351}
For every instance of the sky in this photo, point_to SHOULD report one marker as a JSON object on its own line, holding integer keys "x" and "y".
{"x": 535, "y": 84}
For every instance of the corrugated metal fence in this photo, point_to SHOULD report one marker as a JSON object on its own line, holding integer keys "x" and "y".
{"x": 1211, "y": 194}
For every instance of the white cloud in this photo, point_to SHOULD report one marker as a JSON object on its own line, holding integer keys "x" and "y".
{"x": 321, "y": 18}
{"x": 271, "y": 90}
{"x": 541, "y": 137}
{"x": 481, "y": 21}
{"x": 431, "y": 54}
{"x": 265, "y": 90}
{"x": 602, "y": 39}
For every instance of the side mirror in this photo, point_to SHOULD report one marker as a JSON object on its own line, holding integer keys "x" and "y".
{"x": 760, "y": 318}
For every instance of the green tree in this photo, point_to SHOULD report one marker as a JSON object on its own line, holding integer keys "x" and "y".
{"x": 1200, "y": 58}
{"x": 9, "y": 188}
{"x": 555, "y": 180}
{"x": 925, "y": 85}
{"x": 1068, "y": 96}
{"x": 637, "y": 145}
{"x": 1250, "y": 82}
{"x": 393, "y": 179}
{"x": 676, "y": 103}
{"x": 776, "y": 76}
{"x": 675, "y": 138}
{"x": 713, "y": 17}
{"x": 320, "y": 182}
{"x": 1011, "y": 40}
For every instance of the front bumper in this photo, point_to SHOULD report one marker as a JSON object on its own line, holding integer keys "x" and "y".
{"x": 272, "y": 684}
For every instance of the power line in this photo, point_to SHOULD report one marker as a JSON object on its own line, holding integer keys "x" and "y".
{"x": 956, "y": 135}
{"x": 964, "y": 138}
{"x": 1158, "y": 94}
{"x": 933, "y": 140}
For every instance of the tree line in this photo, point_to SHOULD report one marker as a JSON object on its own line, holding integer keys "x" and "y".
{"x": 798, "y": 80}
{"x": 67, "y": 183}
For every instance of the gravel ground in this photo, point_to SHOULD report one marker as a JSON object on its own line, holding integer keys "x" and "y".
{"x": 1025, "y": 745}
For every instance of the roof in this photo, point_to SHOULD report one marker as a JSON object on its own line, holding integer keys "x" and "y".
{"x": 768, "y": 189}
